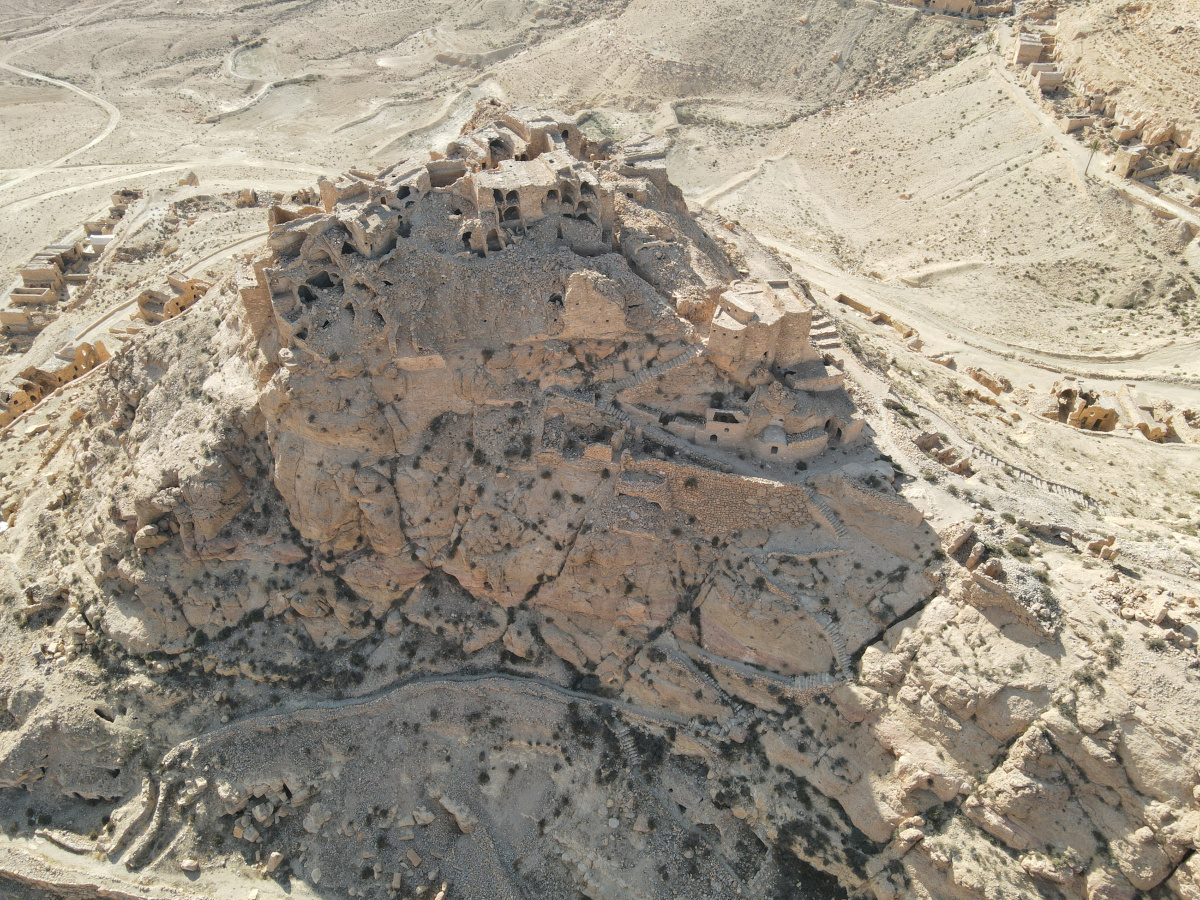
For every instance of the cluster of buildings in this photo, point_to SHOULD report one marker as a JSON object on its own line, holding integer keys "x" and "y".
{"x": 76, "y": 357}
{"x": 529, "y": 175}
{"x": 1077, "y": 404}
{"x": 794, "y": 414}
{"x": 1150, "y": 144}
{"x": 36, "y": 382}
{"x": 46, "y": 281}
{"x": 1034, "y": 51}
{"x": 504, "y": 178}
{"x": 760, "y": 336}
{"x": 511, "y": 197}
{"x": 34, "y": 303}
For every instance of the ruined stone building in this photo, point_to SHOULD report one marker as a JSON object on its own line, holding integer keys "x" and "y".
{"x": 156, "y": 306}
{"x": 1139, "y": 412}
{"x": 1073, "y": 403}
{"x": 37, "y": 381}
{"x": 1077, "y": 404}
{"x": 16, "y": 397}
{"x": 64, "y": 366}
{"x": 756, "y": 326}
{"x": 99, "y": 231}
{"x": 49, "y": 277}
{"x": 529, "y": 177}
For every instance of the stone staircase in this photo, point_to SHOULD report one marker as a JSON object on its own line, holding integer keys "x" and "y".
{"x": 823, "y": 334}
{"x": 838, "y": 526}
{"x": 616, "y": 412}
{"x": 624, "y": 384}
{"x": 604, "y": 405}
{"x": 625, "y": 739}
{"x": 711, "y": 682}
{"x": 593, "y": 875}
{"x": 820, "y": 618}
{"x": 700, "y": 677}
{"x": 836, "y": 641}
{"x": 719, "y": 731}
{"x": 813, "y": 682}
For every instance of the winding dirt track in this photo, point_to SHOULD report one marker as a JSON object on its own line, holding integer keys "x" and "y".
{"x": 224, "y": 251}
{"x": 114, "y": 114}
{"x": 61, "y": 192}
{"x": 173, "y": 167}
{"x": 833, "y": 282}
{"x": 114, "y": 118}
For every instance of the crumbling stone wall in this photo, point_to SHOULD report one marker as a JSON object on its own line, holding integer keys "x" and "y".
{"x": 718, "y": 501}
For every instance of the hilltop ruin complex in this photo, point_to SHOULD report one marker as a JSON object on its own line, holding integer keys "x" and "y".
{"x": 503, "y": 529}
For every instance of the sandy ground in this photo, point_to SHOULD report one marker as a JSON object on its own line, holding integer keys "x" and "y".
{"x": 33, "y": 116}
{"x": 952, "y": 184}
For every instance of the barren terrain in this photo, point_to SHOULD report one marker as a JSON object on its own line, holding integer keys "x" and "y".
{"x": 396, "y": 503}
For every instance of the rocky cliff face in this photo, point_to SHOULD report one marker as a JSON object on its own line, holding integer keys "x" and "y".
{"x": 435, "y": 529}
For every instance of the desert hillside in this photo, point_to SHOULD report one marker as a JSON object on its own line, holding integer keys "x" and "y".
{"x": 613, "y": 450}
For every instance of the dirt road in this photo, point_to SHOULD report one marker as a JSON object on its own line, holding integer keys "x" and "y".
{"x": 114, "y": 114}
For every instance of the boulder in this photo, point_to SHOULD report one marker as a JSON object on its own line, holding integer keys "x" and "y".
{"x": 519, "y": 640}
{"x": 1105, "y": 883}
{"x": 317, "y": 816}
{"x": 148, "y": 537}
{"x": 462, "y": 814}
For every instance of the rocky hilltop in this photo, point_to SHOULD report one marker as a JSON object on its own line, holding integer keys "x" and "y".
{"x": 505, "y": 530}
